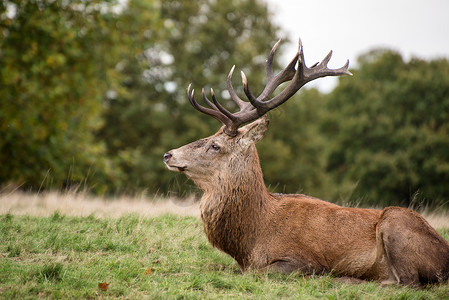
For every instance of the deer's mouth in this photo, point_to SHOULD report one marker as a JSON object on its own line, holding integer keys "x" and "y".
{"x": 182, "y": 169}
{"x": 176, "y": 168}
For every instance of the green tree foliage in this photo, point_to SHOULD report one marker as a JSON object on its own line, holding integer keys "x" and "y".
{"x": 198, "y": 43}
{"x": 390, "y": 131}
{"x": 292, "y": 152}
{"x": 95, "y": 92}
{"x": 52, "y": 80}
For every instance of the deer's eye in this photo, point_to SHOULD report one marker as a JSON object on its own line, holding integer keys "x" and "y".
{"x": 215, "y": 147}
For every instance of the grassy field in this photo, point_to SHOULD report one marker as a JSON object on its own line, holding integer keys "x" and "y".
{"x": 158, "y": 257}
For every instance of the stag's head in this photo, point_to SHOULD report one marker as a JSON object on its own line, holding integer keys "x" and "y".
{"x": 231, "y": 150}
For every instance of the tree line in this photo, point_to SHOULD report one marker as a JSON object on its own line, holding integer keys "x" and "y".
{"x": 93, "y": 93}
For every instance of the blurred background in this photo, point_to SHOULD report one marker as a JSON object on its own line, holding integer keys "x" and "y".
{"x": 93, "y": 93}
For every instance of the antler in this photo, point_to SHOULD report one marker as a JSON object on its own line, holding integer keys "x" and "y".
{"x": 258, "y": 106}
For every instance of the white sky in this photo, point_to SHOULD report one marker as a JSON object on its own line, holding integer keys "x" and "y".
{"x": 418, "y": 28}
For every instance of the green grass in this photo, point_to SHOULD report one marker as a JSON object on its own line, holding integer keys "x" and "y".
{"x": 165, "y": 257}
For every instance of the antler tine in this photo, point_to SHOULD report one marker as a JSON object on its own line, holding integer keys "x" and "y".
{"x": 272, "y": 81}
{"x": 328, "y": 57}
{"x": 207, "y": 100}
{"x": 221, "y": 108}
{"x": 321, "y": 69}
{"x": 248, "y": 93}
{"x": 240, "y": 103}
{"x": 270, "y": 60}
{"x": 210, "y": 112}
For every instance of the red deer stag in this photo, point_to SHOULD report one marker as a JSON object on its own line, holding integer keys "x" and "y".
{"x": 288, "y": 233}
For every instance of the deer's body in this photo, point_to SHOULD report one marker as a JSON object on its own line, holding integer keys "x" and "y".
{"x": 289, "y": 233}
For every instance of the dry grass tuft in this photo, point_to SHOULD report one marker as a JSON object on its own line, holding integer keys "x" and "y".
{"x": 437, "y": 220}
{"x": 80, "y": 204}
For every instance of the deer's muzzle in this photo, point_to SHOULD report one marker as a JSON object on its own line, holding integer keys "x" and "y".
{"x": 170, "y": 165}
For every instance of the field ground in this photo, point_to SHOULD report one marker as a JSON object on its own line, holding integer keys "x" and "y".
{"x": 79, "y": 205}
{"x": 83, "y": 205}
{"x": 61, "y": 246}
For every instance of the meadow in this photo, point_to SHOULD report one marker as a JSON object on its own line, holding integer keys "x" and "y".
{"x": 116, "y": 249}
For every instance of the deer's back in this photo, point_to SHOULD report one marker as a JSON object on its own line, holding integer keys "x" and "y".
{"x": 328, "y": 236}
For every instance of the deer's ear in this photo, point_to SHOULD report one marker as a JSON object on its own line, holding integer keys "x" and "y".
{"x": 253, "y": 132}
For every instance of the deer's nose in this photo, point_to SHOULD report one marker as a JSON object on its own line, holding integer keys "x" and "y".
{"x": 167, "y": 157}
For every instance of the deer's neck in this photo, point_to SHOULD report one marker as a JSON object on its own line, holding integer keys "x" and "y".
{"x": 236, "y": 209}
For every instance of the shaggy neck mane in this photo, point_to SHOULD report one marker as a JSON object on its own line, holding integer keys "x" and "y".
{"x": 235, "y": 206}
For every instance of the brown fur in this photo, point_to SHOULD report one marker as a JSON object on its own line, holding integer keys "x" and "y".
{"x": 288, "y": 233}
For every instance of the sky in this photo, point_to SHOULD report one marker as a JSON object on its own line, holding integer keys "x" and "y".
{"x": 414, "y": 28}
